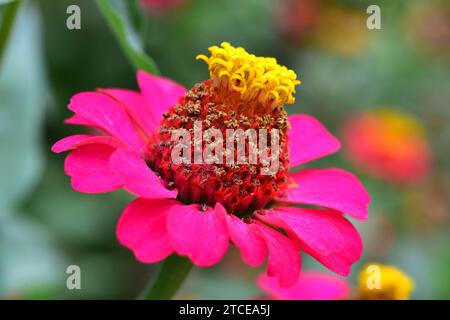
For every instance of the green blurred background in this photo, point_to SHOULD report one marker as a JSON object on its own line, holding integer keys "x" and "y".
{"x": 46, "y": 226}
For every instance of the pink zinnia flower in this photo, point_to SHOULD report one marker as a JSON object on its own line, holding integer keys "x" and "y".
{"x": 194, "y": 210}
{"x": 311, "y": 285}
{"x": 388, "y": 144}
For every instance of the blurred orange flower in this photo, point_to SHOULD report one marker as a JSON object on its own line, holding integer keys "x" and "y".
{"x": 388, "y": 144}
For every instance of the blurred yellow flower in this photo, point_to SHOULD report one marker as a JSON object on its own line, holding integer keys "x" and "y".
{"x": 384, "y": 282}
{"x": 342, "y": 31}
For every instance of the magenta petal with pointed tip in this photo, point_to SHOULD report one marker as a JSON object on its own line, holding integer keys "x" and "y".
{"x": 143, "y": 229}
{"x": 107, "y": 114}
{"x": 324, "y": 234}
{"x": 88, "y": 167}
{"x": 311, "y": 285}
{"x": 198, "y": 233}
{"x": 75, "y": 141}
{"x": 330, "y": 188}
{"x": 160, "y": 93}
{"x": 252, "y": 246}
{"x": 137, "y": 177}
{"x": 309, "y": 140}
{"x": 76, "y": 119}
{"x": 136, "y": 106}
{"x": 284, "y": 259}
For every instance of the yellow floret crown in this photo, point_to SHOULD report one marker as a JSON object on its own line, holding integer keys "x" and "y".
{"x": 253, "y": 77}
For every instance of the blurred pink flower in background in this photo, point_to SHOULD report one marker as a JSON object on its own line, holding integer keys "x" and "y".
{"x": 194, "y": 210}
{"x": 162, "y": 5}
{"x": 388, "y": 144}
{"x": 393, "y": 284}
{"x": 428, "y": 27}
{"x": 312, "y": 285}
{"x": 296, "y": 19}
{"x": 322, "y": 24}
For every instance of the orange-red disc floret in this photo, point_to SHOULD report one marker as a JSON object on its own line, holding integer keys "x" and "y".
{"x": 239, "y": 188}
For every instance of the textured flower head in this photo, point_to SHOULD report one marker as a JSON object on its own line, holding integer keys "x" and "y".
{"x": 384, "y": 282}
{"x": 195, "y": 207}
{"x": 388, "y": 144}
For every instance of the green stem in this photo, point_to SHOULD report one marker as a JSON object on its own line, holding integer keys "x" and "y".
{"x": 9, "y": 15}
{"x": 136, "y": 57}
{"x": 171, "y": 276}
{"x": 134, "y": 14}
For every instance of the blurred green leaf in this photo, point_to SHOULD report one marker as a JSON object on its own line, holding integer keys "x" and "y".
{"x": 6, "y": 1}
{"x": 214, "y": 284}
{"x": 138, "y": 59}
{"x": 23, "y": 92}
{"x": 7, "y": 22}
{"x": 29, "y": 257}
{"x": 76, "y": 219}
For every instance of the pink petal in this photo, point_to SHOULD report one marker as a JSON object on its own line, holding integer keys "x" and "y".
{"x": 324, "y": 234}
{"x": 137, "y": 108}
{"x": 89, "y": 170}
{"x": 75, "y": 141}
{"x": 108, "y": 114}
{"x": 200, "y": 235}
{"x": 284, "y": 259}
{"x": 137, "y": 177}
{"x": 143, "y": 229}
{"x": 253, "y": 248}
{"x": 311, "y": 285}
{"x": 160, "y": 93}
{"x": 309, "y": 140}
{"x": 76, "y": 119}
{"x": 331, "y": 188}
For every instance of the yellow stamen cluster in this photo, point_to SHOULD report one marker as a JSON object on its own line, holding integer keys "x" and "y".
{"x": 377, "y": 281}
{"x": 253, "y": 77}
